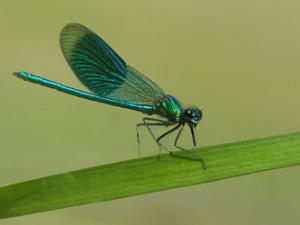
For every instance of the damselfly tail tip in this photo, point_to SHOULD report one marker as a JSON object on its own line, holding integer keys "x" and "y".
{"x": 21, "y": 74}
{"x": 16, "y": 74}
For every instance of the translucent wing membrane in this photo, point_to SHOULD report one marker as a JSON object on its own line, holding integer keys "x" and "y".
{"x": 103, "y": 71}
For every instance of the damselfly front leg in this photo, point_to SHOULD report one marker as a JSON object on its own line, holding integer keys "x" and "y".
{"x": 198, "y": 156}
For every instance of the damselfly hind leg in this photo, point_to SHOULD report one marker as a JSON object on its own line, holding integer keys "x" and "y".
{"x": 154, "y": 122}
{"x": 179, "y": 127}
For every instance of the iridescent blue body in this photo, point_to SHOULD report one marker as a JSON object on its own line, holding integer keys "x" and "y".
{"x": 114, "y": 82}
{"x": 149, "y": 109}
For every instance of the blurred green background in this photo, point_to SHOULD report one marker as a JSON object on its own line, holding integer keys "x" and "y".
{"x": 239, "y": 60}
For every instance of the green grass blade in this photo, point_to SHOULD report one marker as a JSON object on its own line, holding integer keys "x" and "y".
{"x": 139, "y": 176}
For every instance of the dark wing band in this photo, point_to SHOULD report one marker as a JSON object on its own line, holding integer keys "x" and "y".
{"x": 102, "y": 70}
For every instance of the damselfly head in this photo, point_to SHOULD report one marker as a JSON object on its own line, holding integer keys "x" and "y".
{"x": 192, "y": 116}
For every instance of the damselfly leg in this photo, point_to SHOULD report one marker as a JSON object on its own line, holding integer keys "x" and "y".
{"x": 155, "y": 122}
{"x": 196, "y": 155}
